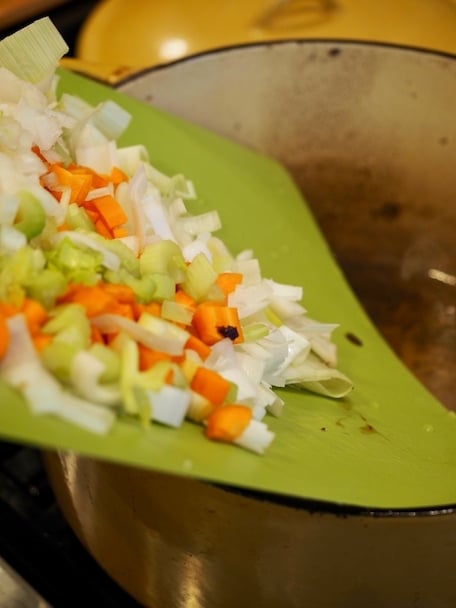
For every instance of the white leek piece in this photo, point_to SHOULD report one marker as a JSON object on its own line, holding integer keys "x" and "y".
{"x": 33, "y": 52}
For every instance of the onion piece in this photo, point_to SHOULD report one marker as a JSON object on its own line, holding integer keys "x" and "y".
{"x": 111, "y": 322}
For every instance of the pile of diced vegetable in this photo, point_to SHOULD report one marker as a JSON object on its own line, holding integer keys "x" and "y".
{"x": 114, "y": 299}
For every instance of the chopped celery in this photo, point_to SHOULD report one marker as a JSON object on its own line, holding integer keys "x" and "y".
{"x": 66, "y": 256}
{"x": 164, "y": 329}
{"x": 110, "y": 359}
{"x": 174, "y": 311}
{"x": 46, "y": 286}
{"x": 143, "y": 287}
{"x": 128, "y": 259}
{"x": 272, "y": 317}
{"x": 255, "y": 331}
{"x": 69, "y": 325}
{"x": 57, "y": 358}
{"x": 155, "y": 377}
{"x": 163, "y": 256}
{"x": 199, "y": 278}
{"x": 77, "y": 219}
{"x": 30, "y": 218}
{"x": 165, "y": 287}
{"x": 133, "y": 396}
{"x": 18, "y": 271}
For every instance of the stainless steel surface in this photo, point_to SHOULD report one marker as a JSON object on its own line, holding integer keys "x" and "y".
{"x": 15, "y": 592}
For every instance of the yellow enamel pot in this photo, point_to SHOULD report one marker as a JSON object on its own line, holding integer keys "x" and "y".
{"x": 140, "y": 33}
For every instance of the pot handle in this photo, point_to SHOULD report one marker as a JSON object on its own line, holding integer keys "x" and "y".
{"x": 283, "y": 13}
{"x": 107, "y": 74}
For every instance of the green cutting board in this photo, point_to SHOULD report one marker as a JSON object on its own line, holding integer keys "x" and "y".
{"x": 390, "y": 444}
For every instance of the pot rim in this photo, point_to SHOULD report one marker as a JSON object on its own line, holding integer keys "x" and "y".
{"x": 335, "y": 42}
{"x": 315, "y": 507}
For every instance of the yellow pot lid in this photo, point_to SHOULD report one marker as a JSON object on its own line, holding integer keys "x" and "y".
{"x": 139, "y": 33}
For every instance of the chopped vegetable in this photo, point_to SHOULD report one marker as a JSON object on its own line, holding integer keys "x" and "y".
{"x": 211, "y": 385}
{"x": 115, "y": 300}
{"x": 4, "y": 335}
{"x": 227, "y": 423}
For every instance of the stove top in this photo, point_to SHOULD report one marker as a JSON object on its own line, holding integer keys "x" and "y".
{"x": 38, "y": 544}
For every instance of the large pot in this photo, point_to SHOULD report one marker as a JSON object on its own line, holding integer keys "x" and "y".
{"x": 369, "y": 133}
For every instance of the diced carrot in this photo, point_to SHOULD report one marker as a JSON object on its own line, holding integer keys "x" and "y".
{"x": 35, "y": 314}
{"x": 40, "y": 340}
{"x": 4, "y": 336}
{"x": 102, "y": 298}
{"x": 93, "y": 298}
{"x": 96, "y": 335}
{"x": 92, "y": 213}
{"x": 102, "y": 229}
{"x": 120, "y": 308}
{"x": 194, "y": 343}
{"x": 37, "y": 151}
{"x": 117, "y": 176}
{"x": 63, "y": 228}
{"x": 152, "y": 308}
{"x": 214, "y": 322}
{"x": 118, "y": 232}
{"x": 110, "y": 211}
{"x": 148, "y": 357}
{"x": 227, "y": 281}
{"x": 8, "y": 310}
{"x": 122, "y": 293}
{"x": 110, "y": 336}
{"x": 211, "y": 385}
{"x": 182, "y": 297}
{"x": 57, "y": 194}
{"x": 226, "y": 423}
{"x": 98, "y": 181}
{"x": 79, "y": 183}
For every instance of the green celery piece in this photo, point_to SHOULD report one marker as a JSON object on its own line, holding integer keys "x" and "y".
{"x": 128, "y": 259}
{"x": 163, "y": 257}
{"x": 154, "y": 378}
{"x": 254, "y": 331}
{"x": 200, "y": 277}
{"x": 143, "y": 287}
{"x": 22, "y": 264}
{"x": 73, "y": 336}
{"x": 15, "y": 271}
{"x": 133, "y": 396}
{"x": 83, "y": 277}
{"x": 69, "y": 325}
{"x": 68, "y": 257}
{"x": 165, "y": 286}
{"x": 46, "y": 286}
{"x": 77, "y": 219}
{"x": 110, "y": 359}
{"x": 57, "y": 357}
{"x": 30, "y": 218}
